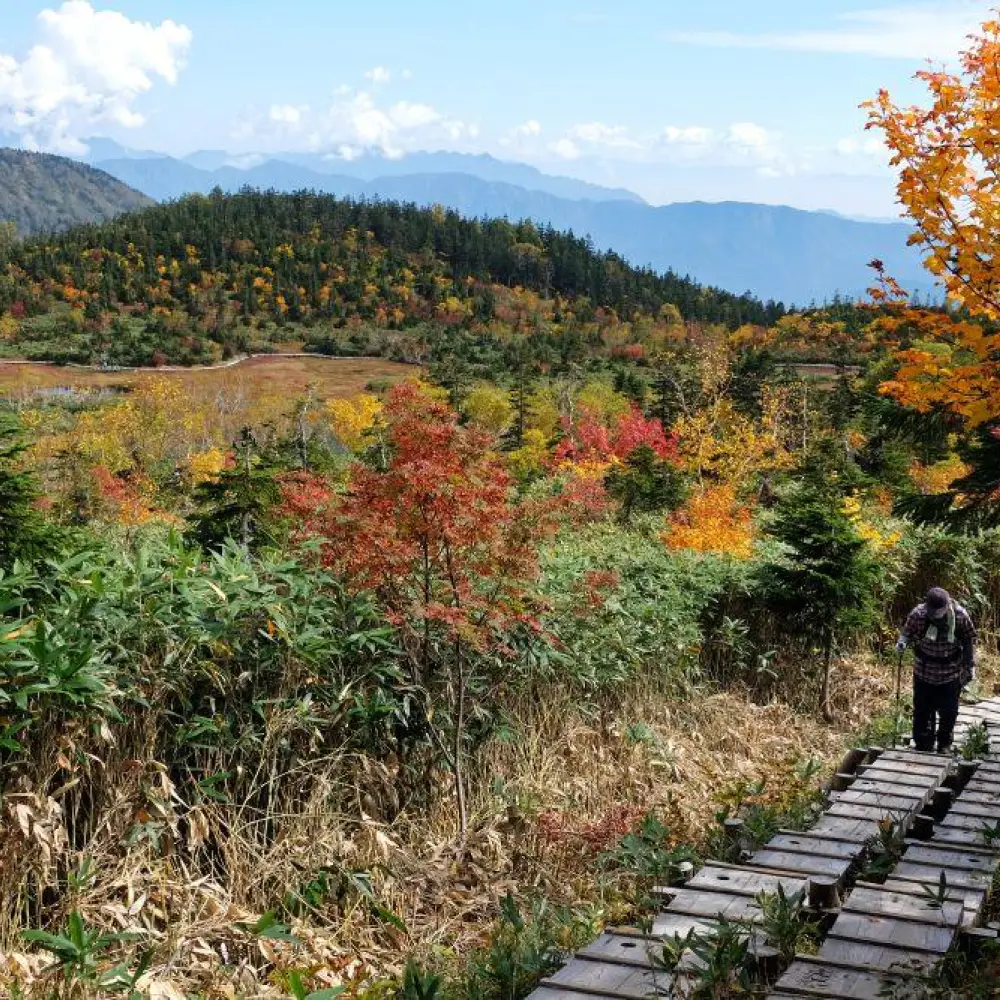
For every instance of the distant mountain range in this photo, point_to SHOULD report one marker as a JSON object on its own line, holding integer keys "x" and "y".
{"x": 39, "y": 193}
{"x": 774, "y": 252}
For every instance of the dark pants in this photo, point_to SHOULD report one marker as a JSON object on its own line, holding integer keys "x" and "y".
{"x": 935, "y": 709}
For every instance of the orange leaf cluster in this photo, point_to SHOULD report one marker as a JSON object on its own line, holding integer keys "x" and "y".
{"x": 712, "y": 521}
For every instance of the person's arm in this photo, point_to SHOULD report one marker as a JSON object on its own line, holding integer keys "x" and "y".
{"x": 908, "y": 631}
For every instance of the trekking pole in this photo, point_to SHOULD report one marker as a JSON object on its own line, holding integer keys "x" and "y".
{"x": 899, "y": 697}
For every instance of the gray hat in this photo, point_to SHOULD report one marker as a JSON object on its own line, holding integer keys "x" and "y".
{"x": 937, "y": 599}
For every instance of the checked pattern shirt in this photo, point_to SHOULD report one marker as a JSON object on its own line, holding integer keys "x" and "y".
{"x": 937, "y": 660}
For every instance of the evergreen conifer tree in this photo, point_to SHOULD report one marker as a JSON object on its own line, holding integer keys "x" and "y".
{"x": 236, "y": 504}
{"x": 824, "y": 584}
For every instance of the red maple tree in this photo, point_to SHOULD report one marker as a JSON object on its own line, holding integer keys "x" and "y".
{"x": 440, "y": 535}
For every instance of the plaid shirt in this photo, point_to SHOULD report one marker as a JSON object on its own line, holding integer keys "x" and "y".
{"x": 939, "y": 661}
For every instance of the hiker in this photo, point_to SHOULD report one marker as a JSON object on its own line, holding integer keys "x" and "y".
{"x": 943, "y": 636}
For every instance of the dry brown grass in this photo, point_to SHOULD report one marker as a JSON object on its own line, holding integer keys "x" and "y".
{"x": 544, "y": 806}
{"x": 331, "y": 377}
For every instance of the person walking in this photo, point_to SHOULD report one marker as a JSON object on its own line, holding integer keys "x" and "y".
{"x": 943, "y": 639}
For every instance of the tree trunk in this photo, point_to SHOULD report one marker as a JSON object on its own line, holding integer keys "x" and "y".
{"x": 827, "y": 670}
{"x": 459, "y": 770}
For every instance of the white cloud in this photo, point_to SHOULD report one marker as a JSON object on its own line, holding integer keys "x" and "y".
{"x": 565, "y": 149}
{"x": 379, "y": 75}
{"x": 287, "y": 114}
{"x": 692, "y": 135}
{"x": 915, "y": 31}
{"x": 355, "y": 121}
{"x": 88, "y": 67}
{"x": 608, "y": 136}
{"x": 528, "y": 128}
{"x": 747, "y": 135}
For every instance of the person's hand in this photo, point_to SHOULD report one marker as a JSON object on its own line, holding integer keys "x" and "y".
{"x": 900, "y": 644}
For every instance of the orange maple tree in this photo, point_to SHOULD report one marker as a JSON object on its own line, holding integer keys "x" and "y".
{"x": 948, "y": 158}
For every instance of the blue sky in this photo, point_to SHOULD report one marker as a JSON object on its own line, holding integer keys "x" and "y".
{"x": 718, "y": 100}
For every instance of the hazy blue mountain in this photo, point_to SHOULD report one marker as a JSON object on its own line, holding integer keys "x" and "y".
{"x": 485, "y": 167}
{"x": 774, "y": 252}
{"x": 372, "y": 164}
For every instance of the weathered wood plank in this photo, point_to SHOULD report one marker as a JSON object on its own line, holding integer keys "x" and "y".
{"x": 805, "y": 978}
{"x": 813, "y": 845}
{"x": 928, "y": 853}
{"x": 877, "y": 956}
{"x": 561, "y": 993}
{"x": 962, "y": 821}
{"x": 808, "y": 864}
{"x": 609, "y": 979}
{"x": 886, "y": 801}
{"x": 971, "y": 900}
{"x": 903, "y": 776}
{"x": 959, "y": 837}
{"x": 932, "y": 874}
{"x": 901, "y": 906}
{"x": 872, "y": 813}
{"x": 666, "y": 924}
{"x": 712, "y": 904}
{"x": 742, "y": 883}
{"x": 899, "y": 933}
{"x": 853, "y": 830}
{"x": 625, "y": 949}
{"x": 962, "y": 807}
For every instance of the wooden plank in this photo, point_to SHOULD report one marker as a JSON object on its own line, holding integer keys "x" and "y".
{"x": 931, "y": 873}
{"x": 812, "y": 845}
{"x": 807, "y": 864}
{"x": 742, "y": 883}
{"x": 666, "y": 924}
{"x": 872, "y": 813}
{"x": 984, "y": 797}
{"x": 712, "y": 904}
{"x": 904, "y": 776}
{"x": 925, "y": 772}
{"x": 608, "y": 979}
{"x": 899, "y": 933}
{"x": 971, "y": 900}
{"x": 625, "y": 949}
{"x": 559, "y": 993}
{"x": 889, "y": 786}
{"x": 959, "y": 836}
{"x": 886, "y": 801}
{"x": 961, "y": 807}
{"x": 816, "y": 979}
{"x": 927, "y": 853}
{"x": 877, "y": 956}
{"x": 941, "y": 760}
{"x": 845, "y": 828}
{"x": 901, "y": 906}
{"x": 962, "y": 821}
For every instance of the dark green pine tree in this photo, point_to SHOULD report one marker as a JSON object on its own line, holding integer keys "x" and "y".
{"x": 645, "y": 483}
{"x": 237, "y": 505}
{"x": 823, "y": 588}
{"x": 24, "y": 532}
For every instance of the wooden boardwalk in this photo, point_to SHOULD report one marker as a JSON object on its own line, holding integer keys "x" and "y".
{"x": 877, "y": 933}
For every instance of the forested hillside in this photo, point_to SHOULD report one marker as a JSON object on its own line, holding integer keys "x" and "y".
{"x": 772, "y": 250}
{"x": 210, "y": 276}
{"x": 43, "y": 193}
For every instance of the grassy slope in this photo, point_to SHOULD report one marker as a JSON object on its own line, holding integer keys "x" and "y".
{"x": 39, "y": 193}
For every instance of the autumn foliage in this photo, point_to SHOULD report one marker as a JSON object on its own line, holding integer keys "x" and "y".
{"x": 947, "y": 154}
